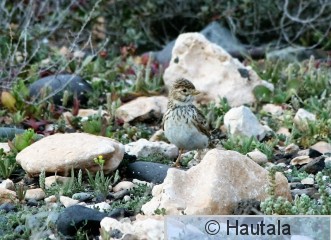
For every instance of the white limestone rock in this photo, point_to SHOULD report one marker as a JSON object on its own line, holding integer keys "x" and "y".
{"x": 215, "y": 186}
{"x": 212, "y": 70}
{"x": 145, "y": 148}
{"x": 142, "y": 108}
{"x": 124, "y": 185}
{"x": 258, "y": 157}
{"x": 60, "y": 153}
{"x": 240, "y": 121}
{"x": 36, "y": 194}
{"x": 302, "y": 117}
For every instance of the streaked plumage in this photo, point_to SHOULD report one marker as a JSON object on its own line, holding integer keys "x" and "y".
{"x": 183, "y": 124}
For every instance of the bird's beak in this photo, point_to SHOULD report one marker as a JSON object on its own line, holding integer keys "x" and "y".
{"x": 195, "y": 92}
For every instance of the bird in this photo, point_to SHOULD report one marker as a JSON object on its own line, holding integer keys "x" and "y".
{"x": 183, "y": 123}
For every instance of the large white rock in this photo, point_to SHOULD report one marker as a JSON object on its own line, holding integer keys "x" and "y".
{"x": 215, "y": 186}
{"x": 142, "y": 108}
{"x": 258, "y": 157}
{"x": 240, "y": 121}
{"x": 145, "y": 148}
{"x": 212, "y": 70}
{"x": 144, "y": 227}
{"x": 273, "y": 109}
{"x": 36, "y": 194}
{"x": 61, "y": 152}
{"x": 302, "y": 117}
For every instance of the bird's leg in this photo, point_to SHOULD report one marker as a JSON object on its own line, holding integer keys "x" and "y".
{"x": 177, "y": 163}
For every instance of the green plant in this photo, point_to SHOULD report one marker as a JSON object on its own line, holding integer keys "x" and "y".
{"x": 301, "y": 205}
{"x": 274, "y": 204}
{"x": 215, "y": 111}
{"x": 157, "y": 157}
{"x": 160, "y": 211}
{"x": 325, "y": 195}
{"x": 67, "y": 188}
{"x": 10, "y": 222}
{"x": 42, "y": 177}
{"x": 7, "y": 163}
{"x": 20, "y": 191}
{"x": 240, "y": 144}
{"x": 100, "y": 183}
{"x": 313, "y": 132}
{"x": 93, "y": 124}
{"x": 140, "y": 194}
{"x": 128, "y": 133}
{"x": 24, "y": 140}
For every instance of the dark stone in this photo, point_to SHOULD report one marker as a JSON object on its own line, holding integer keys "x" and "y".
{"x": 311, "y": 192}
{"x": 76, "y": 217}
{"x": 314, "y": 153}
{"x": 8, "y": 207}
{"x": 82, "y": 196}
{"x": 314, "y": 166}
{"x": 100, "y": 198}
{"x": 295, "y": 179}
{"x": 119, "y": 213}
{"x": 147, "y": 171}
{"x": 297, "y": 185}
{"x": 57, "y": 84}
{"x": 9, "y": 133}
{"x": 117, "y": 234}
{"x": 32, "y": 203}
{"x": 247, "y": 207}
{"x": 293, "y": 54}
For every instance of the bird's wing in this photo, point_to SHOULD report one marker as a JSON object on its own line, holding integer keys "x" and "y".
{"x": 200, "y": 122}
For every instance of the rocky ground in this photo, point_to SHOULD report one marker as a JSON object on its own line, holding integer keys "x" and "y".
{"x": 105, "y": 172}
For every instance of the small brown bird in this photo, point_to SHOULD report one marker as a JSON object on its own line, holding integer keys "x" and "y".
{"x": 183, "y": 124}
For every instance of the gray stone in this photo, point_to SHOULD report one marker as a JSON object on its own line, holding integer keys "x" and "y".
{"x": 315, "y": 165}
{"x": 291, "y": 54}
{"x": 75, "y": 217}
{"x": 9, "y": 133}
{"x": 147, "y": 171}
{"x": 82, "y": 196}
{"x": 57, "y": 84}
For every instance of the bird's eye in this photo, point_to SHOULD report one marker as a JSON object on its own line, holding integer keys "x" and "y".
{"x": 184, "y": 90}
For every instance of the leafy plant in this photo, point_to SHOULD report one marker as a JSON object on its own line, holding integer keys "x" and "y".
{"x": 67, "y": 188}
{"x": 215, "y": 111}
{"x": 301, "y": 205}
{"x": 313, "y": 132}
{"x": 7, "y": 163}
{"x": 160, "y": 211}
{"x": 243, "y": 145}
{"x": 157, "y": 157}
{"x": 140, "y": 195}
{"x": 20, "y": 191}
{"x": 24, "y": 140}
{"x": 100, "y": 183}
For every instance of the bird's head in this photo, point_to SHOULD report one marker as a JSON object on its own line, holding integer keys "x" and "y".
{"x": 183, "y": 91}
